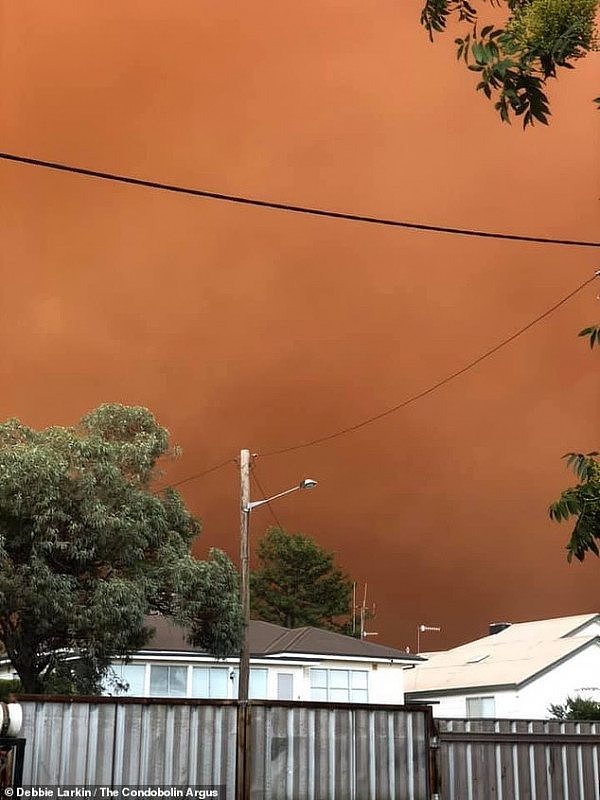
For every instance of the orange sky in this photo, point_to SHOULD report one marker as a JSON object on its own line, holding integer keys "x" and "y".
{"x": 242, "y": 327}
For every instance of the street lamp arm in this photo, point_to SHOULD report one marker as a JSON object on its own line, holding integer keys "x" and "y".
{"x": 258, "y": 503}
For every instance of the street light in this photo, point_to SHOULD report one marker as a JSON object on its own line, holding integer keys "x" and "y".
{"x": 307, "y": 483}
{"x": 246, "y": 506}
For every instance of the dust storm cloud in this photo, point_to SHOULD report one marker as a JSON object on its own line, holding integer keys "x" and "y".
{"x": 244, "y": 327}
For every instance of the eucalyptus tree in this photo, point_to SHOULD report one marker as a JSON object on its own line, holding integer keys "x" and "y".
{"x": 87, "y": 549}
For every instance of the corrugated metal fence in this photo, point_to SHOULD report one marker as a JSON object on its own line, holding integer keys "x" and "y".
{"x": 312, "y": 751}
{"x": 294, "y": 751}
{"x": 339, "y": 753}
{"x": 518, "y": 760}
{"x": 118, "y": 743}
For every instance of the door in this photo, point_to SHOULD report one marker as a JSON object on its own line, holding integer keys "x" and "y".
{"x": 285, "y": 686}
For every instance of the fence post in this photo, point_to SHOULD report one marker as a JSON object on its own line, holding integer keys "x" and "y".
{"x": 434, "y": 754}
{"x": 243, "y": 748}
{"x": 248, "y": 751}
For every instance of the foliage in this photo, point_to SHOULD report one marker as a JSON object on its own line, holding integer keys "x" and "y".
{"x": 515, "y": 62}
{"x": 87, "y": 550}
{"x": 297, "y": 583}
{"x": 8, "y": 688}
{"x": 579, "y": 708}
{"x": 583, "y": 502}
{"x": 593, "y": 334}
{"x": 556, "y": 30}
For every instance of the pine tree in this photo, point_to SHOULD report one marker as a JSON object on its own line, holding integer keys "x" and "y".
{"x": 297, "y": 583}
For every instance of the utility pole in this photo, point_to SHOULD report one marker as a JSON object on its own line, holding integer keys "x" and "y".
{"x": 242, "y": 780}
{"x": 245, "y": 573}
{"x": 241, "y": 777}
{"x": 245, "y": 508}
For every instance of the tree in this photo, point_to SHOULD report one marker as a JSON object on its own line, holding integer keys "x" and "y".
{"x": 515, "y": 62}
{"x": 87, "y": 550}
{"x": 297, "y": 583}
{"x": 582, "y": 501}
{"x": 579, "y": 708}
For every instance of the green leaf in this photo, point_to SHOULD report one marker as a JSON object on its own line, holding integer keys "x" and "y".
{"x": 478, "y": 51}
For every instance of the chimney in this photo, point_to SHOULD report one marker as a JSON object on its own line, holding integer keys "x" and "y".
{"x": 497, "y": 627}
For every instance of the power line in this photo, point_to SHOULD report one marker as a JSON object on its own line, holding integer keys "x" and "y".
{"x": 413, "y": 398}
{"x": 264, "y": 494}
{"x": 316, "y": 212}
{"x": 408, "y": 401}
{"x": 214, "y": 468}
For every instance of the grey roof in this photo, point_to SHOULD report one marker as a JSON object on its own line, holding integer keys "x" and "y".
{"x": 270, "y": 640}
{"x": 509, "y": 658}
{"x": 319, "y": 642}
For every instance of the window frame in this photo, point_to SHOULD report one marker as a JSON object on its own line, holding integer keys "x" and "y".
{"x": 331, "y": 684}
{"x": 169, "y": 668}
{"x": 251, "y": 687}
{"x": 481, "y": 699}
{"x": 211, "y": 676}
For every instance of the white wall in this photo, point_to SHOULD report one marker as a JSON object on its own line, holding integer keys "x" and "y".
{"x": 578, "y": 675}
{"x": 386, "y": 684}
{"x": 298, "y": 680}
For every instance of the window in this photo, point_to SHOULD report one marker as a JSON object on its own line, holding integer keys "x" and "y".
{"x": 318, "y": 684}
{"x": 257, "y": 689}
{"x": 339, "y": 685}
{"x": 132, "y": 675}
{"x": 210, "y": 682}
{"x": 481, "y": 707}
{"x": 257, "y": 685}
{"x": 168, "y": 681}
{"x": 359, "y": 686}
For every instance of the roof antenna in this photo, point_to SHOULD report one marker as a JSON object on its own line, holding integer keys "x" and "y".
{"x": 422, "y": 629}
{"x": 364, "y": 614}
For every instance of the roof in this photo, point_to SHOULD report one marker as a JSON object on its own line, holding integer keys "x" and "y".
{"x": 268, "y": 640}
{"x": 509, "y": 658}
{"x": 544, "y": 629}
{"x": 320, "y": 642}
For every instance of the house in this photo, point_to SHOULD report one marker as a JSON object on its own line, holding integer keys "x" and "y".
{"x": 515, "y": 672}
{"x": 285, "y": 664}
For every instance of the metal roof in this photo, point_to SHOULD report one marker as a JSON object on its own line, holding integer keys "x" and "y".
{"x": 509, "y": 658}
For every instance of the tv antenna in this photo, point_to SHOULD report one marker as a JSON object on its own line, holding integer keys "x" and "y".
{"x": 424, "y": 629}
{"x": 365, "y": 613}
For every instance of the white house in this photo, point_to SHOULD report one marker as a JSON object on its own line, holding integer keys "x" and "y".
{"x": 286, "y": 664}
{"x": 516, "y": 672}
